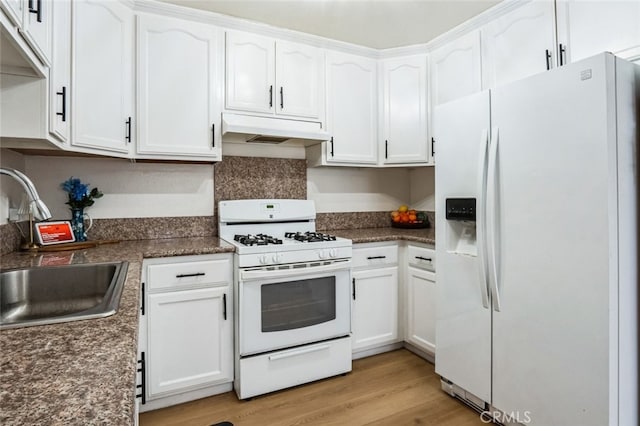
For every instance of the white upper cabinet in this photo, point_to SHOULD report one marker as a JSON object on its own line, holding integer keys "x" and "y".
{"x": 518, "y": 44}
{"x": 37, "y": 27}
{"x": 179, "y": 88}
{"x": 586, "y": 28}
{"x": 352, "y": 108}
{"x": 404, "y": 109}
{"x": 102, "y": 76}
{"x": 34, "y": 19}
{"x": 14, "y": 10}
{"x": 273, "y": 77}
{"x": 455, "y": 69}
{"x": 60, "y": 72}
{"x": 298, "y": 79}
{"x": 250, "y": 75}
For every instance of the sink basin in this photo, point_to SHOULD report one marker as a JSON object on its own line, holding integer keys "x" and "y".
{"x": 47, "y": 295}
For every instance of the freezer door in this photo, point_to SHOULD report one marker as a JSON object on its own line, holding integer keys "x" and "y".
{"x": 552, "y": 213}
{"x": 463, "y": 327}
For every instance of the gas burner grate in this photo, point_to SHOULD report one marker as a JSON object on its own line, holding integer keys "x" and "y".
{"x": 310, "y": 237}
{"x": 256, "y": 240}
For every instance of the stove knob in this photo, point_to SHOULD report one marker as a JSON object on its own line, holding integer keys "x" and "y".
{"x": 276, "y": 258}
{"x": 322, "y": 254}
{"x": 263, "y": 259}
{"x": 333, "y": 253}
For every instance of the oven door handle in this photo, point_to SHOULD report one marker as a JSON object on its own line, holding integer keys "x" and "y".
{"x": 261, "y": 274}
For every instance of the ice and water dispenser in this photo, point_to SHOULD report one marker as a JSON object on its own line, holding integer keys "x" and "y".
{"x": 461, "y": 226}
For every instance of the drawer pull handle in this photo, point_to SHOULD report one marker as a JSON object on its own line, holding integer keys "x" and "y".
{"x": 376, "y": 257}
{"x": 197, "y": 274}
{"x": 297, "y": 352}
{"x": 424, "y": 258}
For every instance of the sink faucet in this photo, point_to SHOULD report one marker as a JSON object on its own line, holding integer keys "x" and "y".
{"x": 39, "y": 209}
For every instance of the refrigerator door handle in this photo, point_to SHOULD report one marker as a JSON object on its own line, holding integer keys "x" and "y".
{"x": 481, "y": 218}
{"x": 492, "y": 214}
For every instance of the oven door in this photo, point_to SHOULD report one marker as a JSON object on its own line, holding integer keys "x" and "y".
{"x": 304, "y": 303}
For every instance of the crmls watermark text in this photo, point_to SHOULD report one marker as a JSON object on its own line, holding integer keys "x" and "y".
{"x": 523, "y": 417}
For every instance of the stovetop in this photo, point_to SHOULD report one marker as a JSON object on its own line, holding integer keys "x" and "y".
{"x": 289, "y": 238}
{"x": 310, "y": 237}
{"x": 258, "y": 240}
{"x": 273, "y": 232}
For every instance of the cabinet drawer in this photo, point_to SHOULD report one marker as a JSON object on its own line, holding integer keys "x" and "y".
{"x": 290, "y": 367}
{"x": 182, "y": 274}
{"x": 372, "y": 256}
{"x": 422, "y": 257}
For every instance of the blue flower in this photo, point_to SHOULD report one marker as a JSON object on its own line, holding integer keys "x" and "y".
{"x": 79, "y": 194}
{"x": 79, "y": 191}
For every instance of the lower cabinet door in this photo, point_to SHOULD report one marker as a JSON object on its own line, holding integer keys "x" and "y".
{"x": 189, "y": 340}
{"x": 421, "y": 301}
{"x": 374, "y": 307}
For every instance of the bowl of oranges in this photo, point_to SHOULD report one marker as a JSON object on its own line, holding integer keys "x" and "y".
{"x": 405, "y": 217}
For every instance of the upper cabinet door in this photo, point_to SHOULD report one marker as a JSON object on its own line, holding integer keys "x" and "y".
{"x": 518, "y": 44}
{"x": 352, "y": 109}
{"x": 13, "y": 9}
{"x": 102, "y": 71}
{"x": 298, "y": 79}
{"x": 586, "y": 28}
{"x": 178, "y": 92}
{"x": 60, "y": 72}
{"x": 455, "y": 69}
{"x": 405, "y": 110}
{"x": 38, "y": 26}
{"x": 250, "y": 73}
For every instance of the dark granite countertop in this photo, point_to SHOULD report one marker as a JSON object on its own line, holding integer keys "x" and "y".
{"x": 82, "y": 372}
{"x": 372, "y": 235}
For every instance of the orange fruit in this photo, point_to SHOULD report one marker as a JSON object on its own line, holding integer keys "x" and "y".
{"x": 412, "y": 217}
{"x": 412, "y": 211}
{"x": 395, "y": 214}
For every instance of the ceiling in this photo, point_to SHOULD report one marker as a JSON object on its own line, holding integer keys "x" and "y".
{"x": 379, "y": 24}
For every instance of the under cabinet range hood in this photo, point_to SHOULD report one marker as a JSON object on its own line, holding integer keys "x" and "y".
{"x": 255, "y": 129}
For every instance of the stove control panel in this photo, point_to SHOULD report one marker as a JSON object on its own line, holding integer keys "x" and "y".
{"x": 293, "y": 256}
{"x": 331, "y": 253}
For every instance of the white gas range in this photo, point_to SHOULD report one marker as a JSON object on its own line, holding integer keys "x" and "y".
{"x": 292, "y": 295}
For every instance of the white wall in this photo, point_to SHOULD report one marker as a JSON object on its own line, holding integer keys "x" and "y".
{"x": 130, "y": 189}
{"x": 340, "y": 189}
{"x": 10, "y": 190}
{"x": 423, "y": 188}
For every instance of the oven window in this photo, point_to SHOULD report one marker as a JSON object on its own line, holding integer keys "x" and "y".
{"x": 297, "y": 304}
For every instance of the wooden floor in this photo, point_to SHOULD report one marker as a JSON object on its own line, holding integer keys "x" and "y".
{"x": 394, "y": 388}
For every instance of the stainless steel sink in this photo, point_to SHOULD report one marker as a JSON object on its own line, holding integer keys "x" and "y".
{"x": 47, "y": 295}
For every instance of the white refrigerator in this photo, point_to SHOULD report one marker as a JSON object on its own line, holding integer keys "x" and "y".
{"x": 537, "y": 224}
